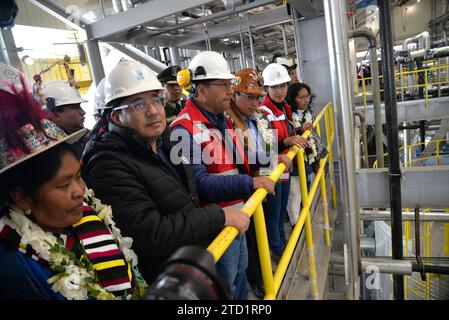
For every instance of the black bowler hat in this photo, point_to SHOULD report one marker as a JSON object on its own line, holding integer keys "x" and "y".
{"x": 169, "y": 75}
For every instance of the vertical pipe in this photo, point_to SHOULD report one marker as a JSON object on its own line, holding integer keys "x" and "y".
{"x": 242, "y": 49}
{"x": 284, "y": 39}
{"x": 363, "y": 32}
{"x": 392, "y": 137}
{"x": 405, "y": 133}
{"x": 438, "y": 153}
{"x": 251, "y": 46}
{"x": 96, "y": 66}
{"x": 174, "y": 56}
{"x": 446, "y": 237}
{"x": 401, "y": 73}
{"x": 377, "y": 107}
{"x": 297, "y": 44}
{"x": 336, "y": 23}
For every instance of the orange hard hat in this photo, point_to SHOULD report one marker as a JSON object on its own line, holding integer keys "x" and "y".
{"x": 248, "y": 81}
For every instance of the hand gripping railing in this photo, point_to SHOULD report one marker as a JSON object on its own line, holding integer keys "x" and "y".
{"x": 253, "y": 206}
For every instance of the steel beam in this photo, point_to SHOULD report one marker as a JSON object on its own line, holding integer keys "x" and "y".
{"x": 414, "y": 110}
{"x": 140, "y": 56}
{"x": 266, "y": 18}
{"x": 423, "y": 187}
{"x": 141, "y": 14}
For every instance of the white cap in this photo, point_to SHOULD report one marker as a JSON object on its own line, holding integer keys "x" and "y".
{"x": 128, "y": 78}
{"x": 210, "y": 65}
{"x": 8, "y": 76}
{"x": 62, "y": 93}
{"x": 275, "y": 74}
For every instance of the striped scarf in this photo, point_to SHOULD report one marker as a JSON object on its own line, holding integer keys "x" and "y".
{"x": 113, "y": 271}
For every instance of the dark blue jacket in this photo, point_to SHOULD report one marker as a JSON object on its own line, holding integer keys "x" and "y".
{"x": 22, "y": 278}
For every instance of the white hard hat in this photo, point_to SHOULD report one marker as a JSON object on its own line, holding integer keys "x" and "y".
{"x": 275, "y": 74}
{"x": 11, "y": 76}
{"x": 285, "y": 61}
{"x": 62, "y": 93}
{"x": 128, "y": 78}
{"x": 99, "y": 97}
{"x": 209, "y": 65}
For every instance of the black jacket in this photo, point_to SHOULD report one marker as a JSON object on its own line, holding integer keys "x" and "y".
{"x": 148, "y": 202}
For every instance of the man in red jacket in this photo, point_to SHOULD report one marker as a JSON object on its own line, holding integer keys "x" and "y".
{"x": 220, "y": 178}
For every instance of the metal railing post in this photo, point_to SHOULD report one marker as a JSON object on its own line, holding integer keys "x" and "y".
{"x": 324, "y": 197}
{"x": 330, "y": 116}
{"x": 309, "y": 238}
{"x": 264, "y": 253}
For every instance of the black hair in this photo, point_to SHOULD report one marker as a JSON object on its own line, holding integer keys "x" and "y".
{"x": 33, "y": 173}
{"x": 292, "y": 93}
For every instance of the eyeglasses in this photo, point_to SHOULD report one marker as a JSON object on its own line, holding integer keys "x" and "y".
{"x": 305, "y": 97}
{"x": 250, "y": 97}
{"x": 227, "y": 85}
{"x": 156, "y": 102}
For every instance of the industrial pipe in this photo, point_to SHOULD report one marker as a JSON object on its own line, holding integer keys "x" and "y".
{"x": 367, "y": 215}
{"x": 362, "y": 118}
{"x": 337, "y": 40}
{"x": 422, "y": 38}
{"x": 392, "y": 138}
{"x": 366, "y": 33}
{"x": 425, "y": 268}
{"x": 398, "y": 267}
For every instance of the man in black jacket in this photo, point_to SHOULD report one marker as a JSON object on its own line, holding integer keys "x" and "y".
{"x": 154, "y": 201}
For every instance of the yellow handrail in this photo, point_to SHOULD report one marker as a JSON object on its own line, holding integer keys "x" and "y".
{"x": 437, "y": 156}
{"x": 428, "y": 72}
{"x": 253, "y": 205}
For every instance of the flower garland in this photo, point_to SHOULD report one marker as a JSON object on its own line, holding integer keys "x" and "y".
{"x": 75, "y": 278}
{"x": 299, "y": 121}
{"x": 263, "y": 126}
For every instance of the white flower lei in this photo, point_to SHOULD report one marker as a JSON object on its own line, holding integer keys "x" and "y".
{"x": 296, "y": 121}
{"x": 264, "y": 130}
{"x": 74, "y": 282}
{"x": 311, "y": 157}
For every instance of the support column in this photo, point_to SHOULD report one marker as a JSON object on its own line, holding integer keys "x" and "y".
{"x": 174, "y": 56}
{"x": 7, "y": 45}
{"x": 96, "y": 66}
{"x": 299, "y": 71}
